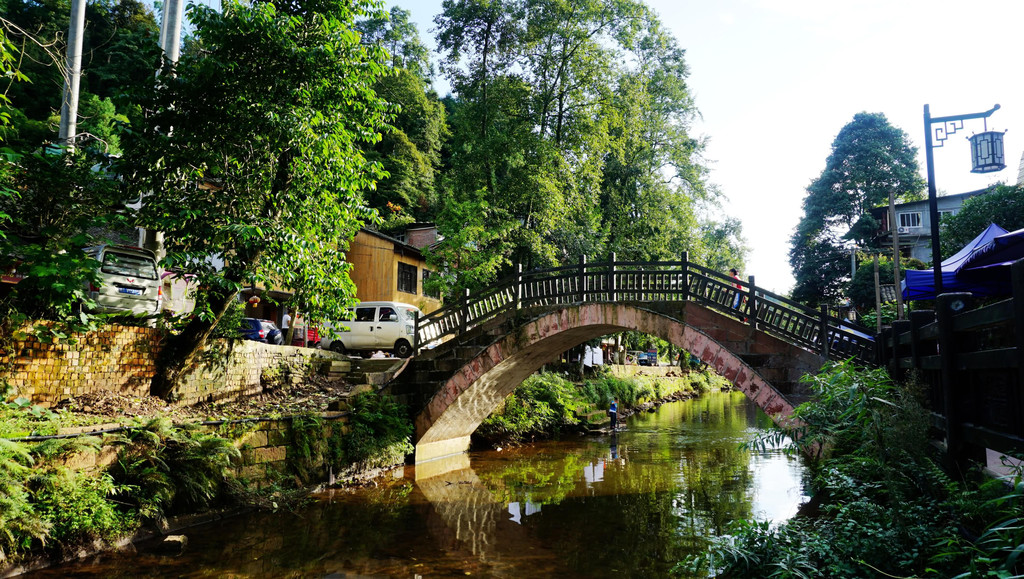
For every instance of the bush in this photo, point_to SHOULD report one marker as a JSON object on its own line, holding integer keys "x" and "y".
{"x": 886, "y": 509}
{"x": 171, "y": 469}
{"x": 379, "y": 432}
{"x": 543, "y": 404}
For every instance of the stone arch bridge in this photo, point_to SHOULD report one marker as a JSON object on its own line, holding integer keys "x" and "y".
{"x": 473, "y": 353}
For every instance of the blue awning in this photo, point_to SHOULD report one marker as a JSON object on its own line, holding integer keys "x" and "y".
{"x": 920, "y": 284}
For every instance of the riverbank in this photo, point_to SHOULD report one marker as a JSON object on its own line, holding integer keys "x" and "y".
{"x": 66, "y": 496}
{"x": 547, "y": 405}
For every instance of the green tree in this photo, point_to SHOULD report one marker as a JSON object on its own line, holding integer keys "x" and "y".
{"x": 119, "y": 44}
{"x": 570, "y": 131}
{"x": 264, "y": 167}
{"x": 653, "y": 179}
{"x": 725, "y": 246}
{"x": 396, "y": 34}
{"x": 870, "y": 160}
{"x": 410, "y": 150}
{"x": 1004, "y": 206}
{"x": 52, "y": 204}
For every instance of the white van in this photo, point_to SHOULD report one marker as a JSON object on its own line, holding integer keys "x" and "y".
{"x": 129, "y": 282}
{"x": 375, "y": 326}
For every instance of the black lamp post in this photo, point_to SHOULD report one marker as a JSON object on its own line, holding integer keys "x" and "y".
{"x": 986, "y": 156}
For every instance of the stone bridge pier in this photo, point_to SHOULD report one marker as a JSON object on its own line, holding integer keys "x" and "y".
{"x": 454, "y": 387}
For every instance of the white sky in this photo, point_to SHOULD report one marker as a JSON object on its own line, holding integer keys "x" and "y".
{"x": 775, "y": 81}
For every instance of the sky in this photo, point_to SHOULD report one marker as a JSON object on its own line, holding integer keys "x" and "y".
{"x": 776, "y": 80}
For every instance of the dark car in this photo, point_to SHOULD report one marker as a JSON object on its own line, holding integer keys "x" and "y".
{"x": 261, "y": 331}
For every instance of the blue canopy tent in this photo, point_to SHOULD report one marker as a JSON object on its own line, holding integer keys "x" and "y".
{"x": 993, "y": 261}
{"x": 920, "y": 284}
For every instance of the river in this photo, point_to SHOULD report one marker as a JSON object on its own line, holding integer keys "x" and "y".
{"x": 631, "y": 504}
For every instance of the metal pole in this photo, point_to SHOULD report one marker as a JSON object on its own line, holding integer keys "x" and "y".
{"x": 69, "y": 106}
{"x": 878, "y": 300}
{"x": 895, "y": 255}
{"x": 170, "y": 29}
{"x": 170, "y": 42}
{"x": 933, "y": 203}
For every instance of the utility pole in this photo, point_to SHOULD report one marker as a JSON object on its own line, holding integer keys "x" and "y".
{"x": 73, "y": 75}
{"x": 170, "y": 42}
{"x": 878, "y": 300}
{"x": 895, "y": 255}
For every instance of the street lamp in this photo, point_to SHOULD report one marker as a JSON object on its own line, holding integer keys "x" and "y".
{"x": 986, "y": 156}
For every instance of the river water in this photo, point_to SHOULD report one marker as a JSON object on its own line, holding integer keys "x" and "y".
{"x": 631, "y": 504}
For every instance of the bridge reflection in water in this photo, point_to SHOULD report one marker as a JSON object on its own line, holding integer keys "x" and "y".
{"x": 635, "y": 503}
{"x": 632, "y": 506}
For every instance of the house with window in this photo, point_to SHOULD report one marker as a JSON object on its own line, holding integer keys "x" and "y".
{"x": 914, "y": 224}
{"x": 388, "y": 269}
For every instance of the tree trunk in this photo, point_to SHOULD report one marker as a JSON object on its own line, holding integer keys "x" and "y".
{"x": 182, "y": 351}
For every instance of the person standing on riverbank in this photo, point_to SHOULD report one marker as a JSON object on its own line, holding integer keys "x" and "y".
{"x": 613, "y": 413}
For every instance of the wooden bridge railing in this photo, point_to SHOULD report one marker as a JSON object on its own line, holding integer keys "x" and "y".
{"x": 648, "y": 282}
{"x": 972, "y": 360}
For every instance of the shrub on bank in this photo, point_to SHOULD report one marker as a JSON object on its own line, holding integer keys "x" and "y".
{"x": 544, "y": 404}
{"x": 885, "y": 508}
{"x": 162, "y": 469}
{"x": 547, "y": 404}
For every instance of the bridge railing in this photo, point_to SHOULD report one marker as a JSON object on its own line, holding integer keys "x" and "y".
{"x": 647, "y": 282}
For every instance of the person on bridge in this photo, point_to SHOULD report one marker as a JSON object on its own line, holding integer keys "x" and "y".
{"x": 613, "y": 413}
{"x": 737, "y": 301}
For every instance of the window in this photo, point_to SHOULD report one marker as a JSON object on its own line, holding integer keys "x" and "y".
{"x": 910, "y": 219}
{"x": 406, "y": 278}
{"x": 944, "y": 213}
{"x": 434, "y": 293}
{"x": 386, "y": 313}
{"x": 365, "y": 314}
{"x": 129, "y": 265}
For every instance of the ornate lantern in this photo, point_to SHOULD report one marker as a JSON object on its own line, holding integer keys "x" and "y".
{"x": 987, "y": 152}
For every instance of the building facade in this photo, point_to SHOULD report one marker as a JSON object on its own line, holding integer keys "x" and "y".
{"x": 914, "y": 224}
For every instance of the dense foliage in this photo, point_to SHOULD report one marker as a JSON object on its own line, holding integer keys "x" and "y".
{"x": 870, "y": 160}
{"x": 118, "y": 48}
{"x": 570, "y": 138}
{"x": 264, "y": 167}
{"x": 1003, "y": 206}
{"x": 547, "y": 404}
{"x": 885, "y": 508}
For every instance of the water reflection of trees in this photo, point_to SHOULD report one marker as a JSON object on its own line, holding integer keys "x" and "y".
{"x": 679, "y": 483}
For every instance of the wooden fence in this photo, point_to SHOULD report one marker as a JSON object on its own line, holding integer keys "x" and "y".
{"x": 971, "y": 360}
{"x": 651, "y": 282}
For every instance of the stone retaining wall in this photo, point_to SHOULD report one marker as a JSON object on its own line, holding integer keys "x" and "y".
{"x": 123, "y": 360}
{"x": 117, "y": 358}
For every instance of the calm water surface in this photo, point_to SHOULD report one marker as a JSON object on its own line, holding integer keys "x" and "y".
{"x": 626, "y": 505}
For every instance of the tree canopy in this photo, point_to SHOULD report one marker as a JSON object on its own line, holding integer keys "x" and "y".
{"x": 1004, "y": 206}
{"x": 870, "y": 159}
{"x": 251, "y": 151}
{"x": 118, "y": 45}
{"x": 570, "y": 138}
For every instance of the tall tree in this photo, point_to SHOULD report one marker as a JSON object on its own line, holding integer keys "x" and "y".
{"x": 252, "y": 151}
{"x": 410, "y": 150}
{"x": 570, "y": 131}
{"x": 870, "y": 160}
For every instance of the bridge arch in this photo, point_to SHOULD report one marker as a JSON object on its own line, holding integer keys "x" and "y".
{"x": 745, "y": 356}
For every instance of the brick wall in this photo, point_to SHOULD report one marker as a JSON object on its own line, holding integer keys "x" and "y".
{"x": 123, "y": 359}
{"x": 117, "y": 358}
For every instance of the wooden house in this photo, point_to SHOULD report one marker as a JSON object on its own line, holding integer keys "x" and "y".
{"x": 388, "y": 269}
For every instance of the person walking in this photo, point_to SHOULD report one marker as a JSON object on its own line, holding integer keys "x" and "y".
{"x": 613, "y": 413}
{"x": 737, "y": 300}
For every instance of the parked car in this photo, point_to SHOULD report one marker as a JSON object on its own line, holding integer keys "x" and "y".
{"x": 374, "y": 326}
{"x": 129, "y": 282}
{"x": 647, "y": 359}
{"x": 264, "y": 331}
